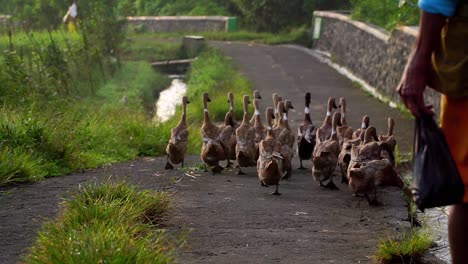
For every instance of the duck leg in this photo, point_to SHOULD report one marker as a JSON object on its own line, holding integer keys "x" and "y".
{"x": 182, "y": 164}
{"x": 344, "y": 179}
{"x": 217, "y": 169}
{"x": 331, "y": 185}
{"x": 301, "y": 167}
{"x": 206, "y": 168}
{"x": 168, "y": 164}
{"x": 276, "y": 191}
{"x": 263, "y": 184}
{"x": 229, "y": 164}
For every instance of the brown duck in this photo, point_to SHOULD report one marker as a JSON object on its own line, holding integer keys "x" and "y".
{"x": 390, "y": 140}
{"x": 325, "y": 157}
{"x": 245, "y": 137}
{"x": 364, "y": 126}
{"x": 365, "y": 177}
{"x": 256, "y": 96}
{"x": 343, "y": 131}
{"x": 177, "y": 145}
{"x": 270, "y": 161}
{"x": 212, "y": 152}
{"x": 324, "y": 131}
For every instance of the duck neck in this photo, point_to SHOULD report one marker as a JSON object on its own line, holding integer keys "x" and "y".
{"x": 183, "y": 119}
{"x": 307, "y": 118}
{"x": 390, "y": 128}
{"x": 285, "y": 120}
{"x": 206, "y": 114}
{"x": 328, "y": 119}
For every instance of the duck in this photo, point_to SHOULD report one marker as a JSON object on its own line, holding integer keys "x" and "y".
{"x": 365, "y": 177}
{"x": 364, "y": 126}
{"x": 270, "y": 160}
{"x": 344, "y": 157}
{"x": 390, "y": 140}
{"x": 231, "y": 120}
{"x": 260, "y": 129}
{"x": 226, "y": 136}
{"x": 306, "y": 135}
{"x": 245, "y": 137}
{"x": 343, "y": 131}
{"x": 284, "y": 134}
{"x": 177, "y": 146}
{"x": 324, "y": 131}
{"x": 370, "y": 148}
{"x": 256, "y": 96}
{"x": 212, "y": 152}
{"x": 325, "y": 156}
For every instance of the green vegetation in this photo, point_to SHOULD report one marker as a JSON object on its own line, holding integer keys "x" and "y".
{"x": 257, "y": 15}
{"x": 386, "y": 13}
{"x": 165, "y": 41}
{"x": 406, "y": 249}
{"x": 107, "y": 223}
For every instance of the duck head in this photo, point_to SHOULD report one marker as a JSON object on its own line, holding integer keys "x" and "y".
{"x": 256, "y": 94}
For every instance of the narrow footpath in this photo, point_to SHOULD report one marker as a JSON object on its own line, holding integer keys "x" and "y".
{"x": 231, "y": 218}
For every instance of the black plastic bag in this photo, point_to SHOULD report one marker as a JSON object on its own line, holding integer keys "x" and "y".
{"x": 437, "y": 181}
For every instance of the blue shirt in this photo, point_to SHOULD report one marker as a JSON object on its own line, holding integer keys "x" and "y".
{"x": 443, "y": 7}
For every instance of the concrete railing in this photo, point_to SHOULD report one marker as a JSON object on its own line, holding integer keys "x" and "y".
{"x": 158, "y": 24}
{"x": 371, "y": 53}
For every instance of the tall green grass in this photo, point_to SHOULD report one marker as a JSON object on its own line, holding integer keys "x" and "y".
{"x": 59, "y": 136}
{"x": 408, "y": 248}
{"x": 107, "y": 223}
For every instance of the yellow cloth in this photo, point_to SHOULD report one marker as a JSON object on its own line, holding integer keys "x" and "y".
{"x": 71, "y": 27}
{"x": 450, "y": 62}
{"x": 454, "y": 123}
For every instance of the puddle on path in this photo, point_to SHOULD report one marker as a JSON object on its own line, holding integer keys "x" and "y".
{"x": 169, "y": 99}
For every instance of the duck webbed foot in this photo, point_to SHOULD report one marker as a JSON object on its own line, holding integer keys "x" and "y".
{"x": 217, "y": 169}
{"x": 373, "y": 202}
{"x": 276, "y": 191}
{"x": 169, "y": 166}
{"x": 240, "y": 172}
{"x": 301, "y": 167}
{"x": 331, "y": 185}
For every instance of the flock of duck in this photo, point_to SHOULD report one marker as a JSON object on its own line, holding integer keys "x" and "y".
{"x": 366, "y": 161}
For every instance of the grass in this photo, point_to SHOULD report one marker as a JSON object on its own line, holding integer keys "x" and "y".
{"x": 407, "y": 248}
{"x": 299, "y": 36}
{"x": 56, "y": 137}
{"x": 107, "y": 223}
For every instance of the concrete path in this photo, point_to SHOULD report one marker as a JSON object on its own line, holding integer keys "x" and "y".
{"x": 234, "y": 220}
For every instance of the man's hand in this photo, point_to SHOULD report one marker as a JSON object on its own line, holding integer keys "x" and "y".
{"x": 413, "y": 82}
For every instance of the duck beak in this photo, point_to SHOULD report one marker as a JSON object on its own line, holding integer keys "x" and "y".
{"x": 334, "y": 105}
{"x": 188, "y": 102}
{"x": 259, "y": 97}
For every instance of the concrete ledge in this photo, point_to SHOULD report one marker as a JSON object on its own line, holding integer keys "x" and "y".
{"x": 369, "y": 52}
{"x": 159, "y": 24}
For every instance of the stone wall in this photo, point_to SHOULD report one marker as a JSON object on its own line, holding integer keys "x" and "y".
{"x": 179, "y": 23}
{"x": 371, "y": 53}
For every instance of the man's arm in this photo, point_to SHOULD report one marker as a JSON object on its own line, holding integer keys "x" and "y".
{"x": 418, "y": 69}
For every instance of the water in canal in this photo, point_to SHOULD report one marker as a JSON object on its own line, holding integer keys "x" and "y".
{"x": 169, "y": 99}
